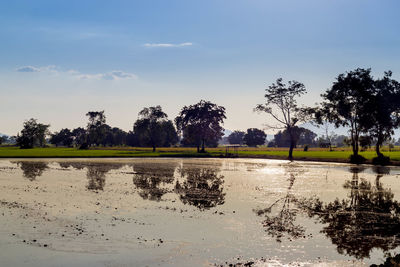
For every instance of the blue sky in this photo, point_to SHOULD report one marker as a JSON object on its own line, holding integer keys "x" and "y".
{"x": 60, "y": 59}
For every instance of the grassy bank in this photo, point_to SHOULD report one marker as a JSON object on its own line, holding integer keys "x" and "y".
{"x": 316, "y": 154}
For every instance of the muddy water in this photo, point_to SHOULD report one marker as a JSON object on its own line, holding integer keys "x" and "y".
{"x": 199, "y": 212}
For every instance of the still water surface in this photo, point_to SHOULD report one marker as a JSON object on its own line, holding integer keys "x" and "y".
{"x": 180, "y": 212}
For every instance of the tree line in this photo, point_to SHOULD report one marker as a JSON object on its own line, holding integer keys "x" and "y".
{"x": 369, "y": 107}
{"x": 198, "y": 125}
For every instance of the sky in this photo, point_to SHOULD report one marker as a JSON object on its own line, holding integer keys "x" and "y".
{"x": 61, "y": 59}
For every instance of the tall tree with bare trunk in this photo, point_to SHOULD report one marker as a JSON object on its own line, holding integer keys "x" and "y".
{"x": 281, "y": 105}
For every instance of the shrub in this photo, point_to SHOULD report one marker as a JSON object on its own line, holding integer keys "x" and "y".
{"x": 357, "y": 159}
{"x": 382, "y": 160}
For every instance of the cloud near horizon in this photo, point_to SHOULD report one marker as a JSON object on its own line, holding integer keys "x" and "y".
{"x": 167, "y": 44}
{"x": 112, "y": 75}
{"x": 51, "y": 68}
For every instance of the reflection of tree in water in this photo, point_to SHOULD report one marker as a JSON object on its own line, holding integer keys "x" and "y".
{"x": 201, "y": 187}
{"x": 391, "y": 260}
{"x": 283, "y": 223}
{"x": 96, "y": 172}
{"x": 369, "y": 218}
{"x": 32, "y": 169}
{"x": 149, "y": 177}
{"x": 75, "y": 165}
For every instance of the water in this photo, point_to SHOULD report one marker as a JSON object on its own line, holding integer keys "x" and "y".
{"x": 179, "y": 212}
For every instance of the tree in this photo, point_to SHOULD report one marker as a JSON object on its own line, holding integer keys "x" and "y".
{"x": 300, "y": 135}
{"x": 107, "y": 138}
{"x": 79, "y": 136}
{"x": 42, "y": 133}
{"x": 349, "y": 102}
{"x": 365, "y": 141}
{"x": 236, "y": 137}
{"x": 191, "y": 137}
{"x": 119, "y": 136}
{"x": 254, "y": 137}
{"x": 306, "y": 137}
{"x": 132, "y": 139}
{"x": 281, "y": 105}
{"x": 171, "y": 136}
{"x": 282, "y": 139}
{"x": 385, "y": 110}
{"x": 64, "y": 137}
{"x": 201, "y": 122}
{"x": 149, "y": 127}
{"x": 33, "y": 134}
{"x": 95, "y": 127}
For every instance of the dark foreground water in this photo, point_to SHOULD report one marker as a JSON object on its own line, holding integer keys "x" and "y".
{"x": 196, "y": 212}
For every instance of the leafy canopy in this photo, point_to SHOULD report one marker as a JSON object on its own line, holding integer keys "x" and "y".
{"x": 281, "y": 103}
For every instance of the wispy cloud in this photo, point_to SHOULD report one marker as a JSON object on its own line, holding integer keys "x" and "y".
{"x": 51, "y": 68}
{"x": 27, "y": 69}
{"x": 112, "y": 75}
{"x": 167, "y": 45}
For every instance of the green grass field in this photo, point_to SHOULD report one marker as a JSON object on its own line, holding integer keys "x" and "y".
{"x": 317, "y": 154}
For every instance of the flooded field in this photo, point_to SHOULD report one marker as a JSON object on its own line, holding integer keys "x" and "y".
{"x": 199, "y": 212}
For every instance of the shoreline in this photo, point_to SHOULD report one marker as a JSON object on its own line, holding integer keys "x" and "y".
{"x": 208, "y": 156}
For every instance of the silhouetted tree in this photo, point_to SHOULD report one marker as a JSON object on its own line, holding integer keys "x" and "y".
{"x": 33, "y": 134}
{"x": 171, "y": 136}
{"x": 95, "y": 127}
{"x": 107, "y": 137}
{"x": 281, "y": 139}
{"x": 64, "y": 138}
{"x": 281, "y": 105}
{"x": 254, "y": 137}
{"x": 79, "y": 136}
{"x": 191, "y": 137}
{"x": 306, "y": 137}
{"x": 365, "y": 141}
{"x": 300, "y": 135}
{"x": 385, "y": 111}
{"x": 349, "y": 103}
{"x": 236, "y": 137}
{"x": 119, "y": 136}
{"x": 202, "y": 122}
{"x": 132, "y": 139}
{"x": 149, "y": 127}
